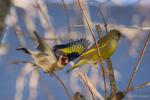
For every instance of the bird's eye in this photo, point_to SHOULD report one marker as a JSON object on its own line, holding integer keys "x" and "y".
{"x": 116, "y": 36}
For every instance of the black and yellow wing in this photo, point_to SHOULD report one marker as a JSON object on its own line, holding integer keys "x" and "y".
{"x": 73, "y": 49}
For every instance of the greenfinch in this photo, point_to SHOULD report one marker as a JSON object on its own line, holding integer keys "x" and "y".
{"x": 107, "y": 45}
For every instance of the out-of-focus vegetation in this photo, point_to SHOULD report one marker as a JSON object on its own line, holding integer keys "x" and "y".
{"x": 63, "y": 21}
{"x": 5, "y": 7}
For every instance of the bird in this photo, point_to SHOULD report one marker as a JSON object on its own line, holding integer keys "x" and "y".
{"x": 107, "y": 45}
{"x": 56, "y": 58}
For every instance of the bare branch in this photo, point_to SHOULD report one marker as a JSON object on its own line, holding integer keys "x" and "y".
{"x": 67, "y": 14}
{"x": 5, "y": 6}
{"x": 99, "y": 31}
{"x": 98, "y": 50}
{"x": 64, "y": 86}
{"x": 137, "y": 64}
{"x": 86, "y": 82}
{"x": 20, "y": 81}
{"x": 105, "y": 23}
{"x": 90, "y": 86}
{"x": 24, "y": 62}
{"x": 139, "y": 86}
{"x": 111, "y": 77}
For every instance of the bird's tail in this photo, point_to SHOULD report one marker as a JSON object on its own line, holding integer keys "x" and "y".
{"x": 25, "y": 50}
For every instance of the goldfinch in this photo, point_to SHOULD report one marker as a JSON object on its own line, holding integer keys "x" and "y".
{"x": 51, "y": 60}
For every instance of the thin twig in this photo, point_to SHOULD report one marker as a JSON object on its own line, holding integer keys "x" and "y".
{"x": 67, "y": 15}
{"x": 139, "y": 86}
{"x": 98, "y": 50}
{"x": 108, "y": 61}
{"x": 33, "y": 85}
{"x": 46, "y": 18}
{"x": 84, "y": 78}
{"x": 24, "y": 62}
{"x": 137, "y": 64}
{"x": 99, "y": 31}
{"x": 20, "y": 82}
{"x": 89, "y": 87}
{"x": 111, "y": 77}
{"x": 45, "y": 86}
{"x": 42, "y": 12}
{"x": 60, "y": 81}
{"x": 105, "y": 24}
{"x": 20, "y": 36}
{"x": 64, "y": 86}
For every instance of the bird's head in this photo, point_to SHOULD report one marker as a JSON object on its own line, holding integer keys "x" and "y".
{"x": 62, "y": 62}
{"x": 115, "y": 34}
{"x": 63, "y": 59}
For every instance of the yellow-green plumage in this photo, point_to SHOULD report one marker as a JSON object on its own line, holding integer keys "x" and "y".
{"x": 71, "y": 49}
{"x": 107, "y": 45}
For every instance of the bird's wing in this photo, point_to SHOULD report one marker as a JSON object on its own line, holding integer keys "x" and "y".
{"x": 43, "y": 46}
{"x": 102, "y": 43}
{"x": 73, "y": 49}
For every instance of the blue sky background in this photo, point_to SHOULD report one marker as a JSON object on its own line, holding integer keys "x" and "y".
{"x": 122, "y": 60}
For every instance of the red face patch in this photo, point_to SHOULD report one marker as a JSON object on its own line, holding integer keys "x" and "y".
{"x": 63, "y": 59}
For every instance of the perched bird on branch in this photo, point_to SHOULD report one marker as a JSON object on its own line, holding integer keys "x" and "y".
{"x": 107, "y": 45}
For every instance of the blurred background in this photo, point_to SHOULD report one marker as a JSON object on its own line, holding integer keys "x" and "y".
{"x": 61, "y": 21}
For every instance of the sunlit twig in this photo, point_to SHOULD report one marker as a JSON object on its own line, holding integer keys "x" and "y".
{"x": 90, "y": 86}
{"x": 20, "y": 82}
{"x": 83, "y": 77}
{"x": 43, "y": 13}
{"x": 20, "y": 36}
{"x": 86, "y": 81}
{"x": 98, "y": 50}
{"x": 33, "y": 85}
